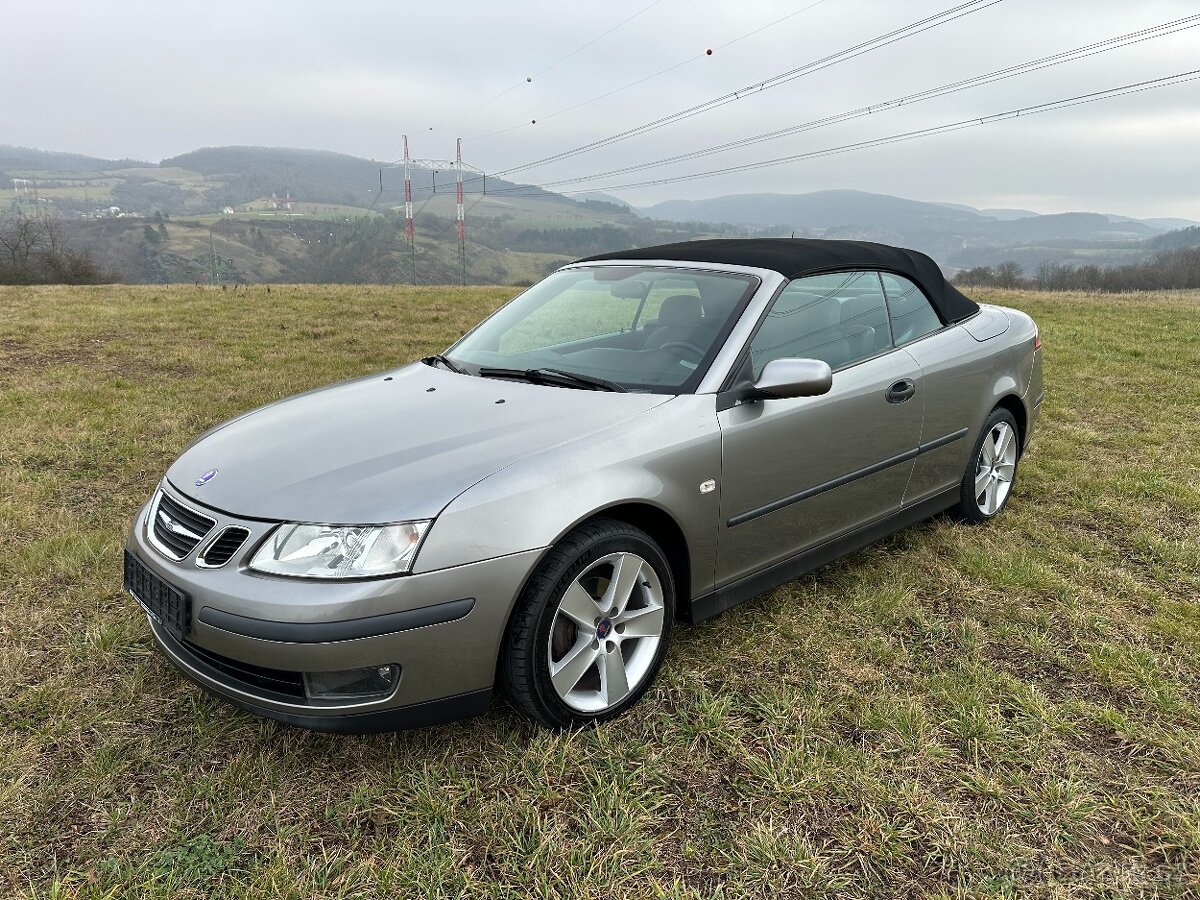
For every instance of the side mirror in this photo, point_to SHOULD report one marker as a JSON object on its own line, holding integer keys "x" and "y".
{"x": 793, "y": 378}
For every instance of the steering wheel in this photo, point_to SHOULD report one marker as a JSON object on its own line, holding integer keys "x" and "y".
{"x": 686, "y": 346}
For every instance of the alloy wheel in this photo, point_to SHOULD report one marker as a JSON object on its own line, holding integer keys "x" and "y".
{"x": 606, "y": 631}
{"x": 995, "y": 468}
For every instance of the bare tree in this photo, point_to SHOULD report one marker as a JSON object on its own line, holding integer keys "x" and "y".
{"x": 21, "y": 237}
{"x": 34, "y": 250}
{"x": 1169, "y": 270}
{"x": 1008, "y": 274}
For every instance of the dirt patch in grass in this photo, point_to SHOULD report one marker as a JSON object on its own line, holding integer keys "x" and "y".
{"x": 23, "y": 360}
{"x": 19, "y": 356}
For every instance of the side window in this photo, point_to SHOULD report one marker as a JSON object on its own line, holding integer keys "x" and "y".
{"x": 839, "y": 318}
{"x": 912, "y": 316}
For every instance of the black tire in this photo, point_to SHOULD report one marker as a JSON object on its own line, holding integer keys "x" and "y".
{"x": 524, "y": 671}
{"x": 968, "y": 509}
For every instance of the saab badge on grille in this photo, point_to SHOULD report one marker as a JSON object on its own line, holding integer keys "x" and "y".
{"x": 206, "y": 478}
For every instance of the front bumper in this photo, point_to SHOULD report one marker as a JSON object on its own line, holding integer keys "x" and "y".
{"x": 200, "y": 670}
{"x": 248, "y": 636}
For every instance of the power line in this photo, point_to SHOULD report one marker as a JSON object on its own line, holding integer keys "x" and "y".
{"x": 452, "y": 223}
{"x": 652, "y": 76}
{"x": 552, "y": 65}
{"x": 568, "y": 213}
{"x": 1035, "y": 65}
{"x": 1036, "y": 109}
{"x": 644, "y": 9}
{"x": 565, "y": 212}
{"x": 883, "y": 40}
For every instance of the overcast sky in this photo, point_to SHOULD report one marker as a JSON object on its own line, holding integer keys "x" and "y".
{"x": 151, "y": 80}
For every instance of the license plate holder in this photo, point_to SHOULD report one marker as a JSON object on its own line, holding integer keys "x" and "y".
{"x": 165, "y": 603}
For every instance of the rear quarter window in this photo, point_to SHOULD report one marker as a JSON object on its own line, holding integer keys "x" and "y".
{"x": 912, "y": 315}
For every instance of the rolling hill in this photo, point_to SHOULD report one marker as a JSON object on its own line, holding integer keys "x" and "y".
{"x": 957, "y": 235}
{"x": 283, "y": 214}
{"x": 818, "y": 210}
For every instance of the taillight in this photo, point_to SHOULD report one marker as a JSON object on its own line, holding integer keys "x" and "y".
{"x": 1037, "y": 340}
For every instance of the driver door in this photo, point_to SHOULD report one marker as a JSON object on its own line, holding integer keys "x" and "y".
{"x": 799, "y": 472}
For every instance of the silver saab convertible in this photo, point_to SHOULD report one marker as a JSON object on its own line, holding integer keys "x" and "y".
{"x": 641, "y": 438}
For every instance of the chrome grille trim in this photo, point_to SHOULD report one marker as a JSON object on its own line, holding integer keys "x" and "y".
{"x": 177, "y": 530}
{"x": 222, "y": 548}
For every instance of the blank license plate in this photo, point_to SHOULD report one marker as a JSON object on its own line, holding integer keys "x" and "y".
{"x": 167, "y": 604}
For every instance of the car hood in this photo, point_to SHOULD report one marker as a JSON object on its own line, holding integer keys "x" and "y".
{"x": 389, "y": 447}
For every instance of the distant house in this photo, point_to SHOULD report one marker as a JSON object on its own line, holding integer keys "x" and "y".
{"x": 227, "y": 211}
{"x": 284, "y": 202}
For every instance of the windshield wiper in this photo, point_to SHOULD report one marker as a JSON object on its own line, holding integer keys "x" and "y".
{"x": 554, "y": 376}
{"x": 592, "y": 381}
{"x": 438, "y": 358}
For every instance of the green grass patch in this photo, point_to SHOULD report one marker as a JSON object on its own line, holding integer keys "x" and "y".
{"x": 1003, "y": 711}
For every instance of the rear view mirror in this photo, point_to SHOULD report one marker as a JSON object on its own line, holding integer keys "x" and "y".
{"x": 630, "y": 290}
{"x": 794, "y": 378}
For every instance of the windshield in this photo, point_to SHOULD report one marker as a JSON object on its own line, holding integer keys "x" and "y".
{"x": 646, "y": 329}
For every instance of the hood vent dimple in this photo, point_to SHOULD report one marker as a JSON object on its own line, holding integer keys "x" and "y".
{"x": 222, "y": 548}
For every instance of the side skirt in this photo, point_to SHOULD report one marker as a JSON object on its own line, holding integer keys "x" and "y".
{"x": 729, "y": 596}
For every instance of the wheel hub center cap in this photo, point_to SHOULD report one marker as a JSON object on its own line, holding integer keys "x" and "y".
{"x": 604, "y": 629}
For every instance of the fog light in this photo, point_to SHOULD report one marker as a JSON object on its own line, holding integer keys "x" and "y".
{"x": 371, "y": 683}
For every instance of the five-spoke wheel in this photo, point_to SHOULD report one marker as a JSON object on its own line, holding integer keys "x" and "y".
{"x": 606, "y": 632}
{"x": 992, "y": 470}
{"x": 592, "y": 626}
{"x": 995, "y": 468}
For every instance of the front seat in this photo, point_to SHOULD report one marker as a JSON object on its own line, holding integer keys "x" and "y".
{"x": 679, "y": 319}
{"x": 864, "y": 326}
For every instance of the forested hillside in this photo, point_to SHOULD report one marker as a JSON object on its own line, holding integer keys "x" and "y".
{"x": 257, "y": 214}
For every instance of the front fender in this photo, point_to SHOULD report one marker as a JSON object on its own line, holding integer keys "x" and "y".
{"x": 659, "y": 458}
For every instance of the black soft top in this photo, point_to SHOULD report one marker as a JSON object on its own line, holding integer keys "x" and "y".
{"x": 797, "y": 257}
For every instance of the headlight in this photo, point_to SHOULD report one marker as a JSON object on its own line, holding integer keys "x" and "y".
{"x": 340, "y": 551}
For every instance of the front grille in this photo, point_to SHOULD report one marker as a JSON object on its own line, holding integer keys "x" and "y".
{"x": 176, "y": 528}
{"x": 223, "y": 546}
{"x": 275, "y": 681}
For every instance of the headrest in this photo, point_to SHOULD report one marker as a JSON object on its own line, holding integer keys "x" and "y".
{"x": 816, "y": 311}
{"x": 863, "y": 310}
{"x": 680, "y": 311}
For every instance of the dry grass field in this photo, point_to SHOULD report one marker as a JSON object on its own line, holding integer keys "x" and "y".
{"x": 1006, "y": 711}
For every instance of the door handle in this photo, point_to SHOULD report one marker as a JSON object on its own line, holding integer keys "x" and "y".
{"x": 900, "y": 391}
